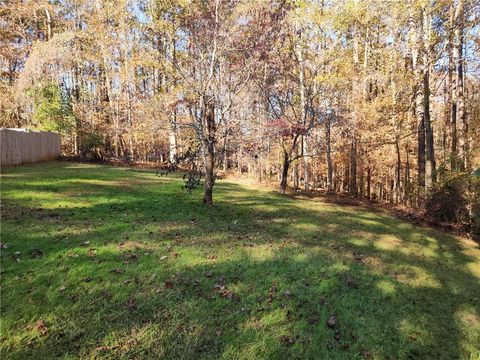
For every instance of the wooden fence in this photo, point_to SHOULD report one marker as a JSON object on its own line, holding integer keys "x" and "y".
{"x": 18, "y": 146}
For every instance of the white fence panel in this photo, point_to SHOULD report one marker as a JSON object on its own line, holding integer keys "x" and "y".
{"x": 19, "y": 146}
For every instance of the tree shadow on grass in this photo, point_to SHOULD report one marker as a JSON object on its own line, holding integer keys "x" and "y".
{"x": 292, "y": 264}
{"x": 278, "y": 308}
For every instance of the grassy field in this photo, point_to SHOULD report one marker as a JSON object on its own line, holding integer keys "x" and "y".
{"x": 105, "y": 262}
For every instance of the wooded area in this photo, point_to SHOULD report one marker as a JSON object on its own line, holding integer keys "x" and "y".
{"x": 378, "y": 99}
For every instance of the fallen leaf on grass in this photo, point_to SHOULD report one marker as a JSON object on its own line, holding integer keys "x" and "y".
{"x": 132, "y": 302}
{"x": 232, "y": 296}
{"x": 360, "y": 258}
{"x": 169, "y": 284}
{"x": 287, "y": 340}
{"x": 41, "y": 327}
{"x": 337, "y": 335}
{"x": 107, "y": 348}
{"x": 332, "y": 320}
{"x": 208, "y": 274}
{"x": 367, "y": 354}
{"x": 222, "y": 291}
{"x": 313, "y": 320}
{"x": 351, "y": 282}
{"x": 272, "y": 292}
{"x": 92, "y": 252}
{"x": 130, "y": 257}
{"x": 117, "y": 271}
{"x": 36, "y": 253}
{"x": 106, "y": 294}
{"x": 222, "y": 279}
{"x": 413, "y": 336}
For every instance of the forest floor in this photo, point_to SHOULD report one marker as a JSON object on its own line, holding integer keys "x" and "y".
{"x": 109, "y": 262}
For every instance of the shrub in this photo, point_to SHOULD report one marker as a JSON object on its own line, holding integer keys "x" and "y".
{"x": 93, "y": 147}
{"x": 456, "y": 199}
{"x": 446, "y": 200}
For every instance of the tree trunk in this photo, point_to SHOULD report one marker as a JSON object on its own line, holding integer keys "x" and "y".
{"x": 172, "y": 137}
{"x": 398, "y": 172}
{"x": 361, "y": 186}
{"x": 284, "y": 178}
{"x": 296, "y": 176}
{"x": 330, "y": 187}
{"x": 430, "y": 168}
{"x": 105, "y": 97}
{"x": 418, "y": 68}
{"x": 462, "y": 136}
{"x": 112, "y": 114}
{"x": 209, "y": 153}
{"x": 170, "y": 49}
{"x": 369, "y": 182}
{"x": 224, "y": 150}
{"x": 303, "y": 110}
{"x": 407, "y": 187}
{"x": 381, "y": 192}
{"x": 353, "y": 169}
{"x": 421, "y": 152}
{"x": 49, "y": 24}
{"x": 352, "y": 183}
{"x": 76, "y": 96}
{"x": 451, "y": 102}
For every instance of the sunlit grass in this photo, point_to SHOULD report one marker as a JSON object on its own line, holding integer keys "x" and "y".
{"x": 131, "y": 266}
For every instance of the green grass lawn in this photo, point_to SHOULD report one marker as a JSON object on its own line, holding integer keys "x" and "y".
{"x": 104, "y": 262}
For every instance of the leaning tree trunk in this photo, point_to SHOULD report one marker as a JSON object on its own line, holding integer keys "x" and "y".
{"x": 209, "y": 153}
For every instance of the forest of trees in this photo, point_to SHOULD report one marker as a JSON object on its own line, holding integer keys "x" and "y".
{"x": 377, "y": 99}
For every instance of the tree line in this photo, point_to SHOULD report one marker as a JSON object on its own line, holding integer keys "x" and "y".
{"x": 377, "y": 99}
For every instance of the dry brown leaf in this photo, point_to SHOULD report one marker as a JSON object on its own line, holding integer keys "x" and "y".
{"x": 332, "y": 321}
